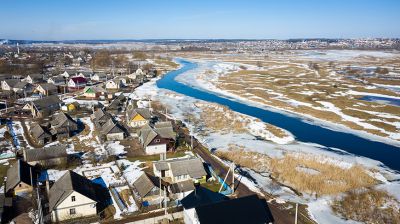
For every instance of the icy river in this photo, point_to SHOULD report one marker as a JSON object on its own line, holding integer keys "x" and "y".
{"x": 304, "y": 131}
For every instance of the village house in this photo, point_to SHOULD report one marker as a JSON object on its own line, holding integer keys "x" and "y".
{"x": 45, "y": 106}
{"x": 34, "y": 78}
{"x": 8, "y": 84}
{"x": 117, "y": 104}
{"x": 56, "y": 80}
{"x": 63, "y": 126}
{"x": 86, "y": 75}
{"x": 100, "y": 117}
{"x": 46, "y": 89}
{"x": 66, "y": 74}
{"x": 99, "y": 77}
{"x": 159, "y": 139}
{"x": 114, "y": 84}
{"x": 178, "y": 170}
{"x": 74, "y": 196}
{"x": 23, "y": 87}
{"x": 20, "y": 179}
{"x": 94, "y": 92}
{"x": 77, "y": 83}
{"x": 181, "y": 189}
{"x": 40, "y": 134}
{"x": 112, "y": 130}
{"x": 148, "y": 189}
{"x": 138, "y": 117}
{"x": 50, "y": 156}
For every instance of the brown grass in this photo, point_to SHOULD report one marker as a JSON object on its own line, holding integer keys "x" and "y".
{"x": 221, "y": 118}
{"x": 368, "y": 206}
{"x": 327, "y": 178}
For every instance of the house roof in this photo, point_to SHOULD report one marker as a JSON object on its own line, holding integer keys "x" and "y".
{"x": 78, "y": 79}
{"x": 163, "y": 129}
{"x": 48, "y": 86}
{"x": 69, "y": 183}
{"x": 57, "y": 151}
{"x": 146, "y": 135}
{"x": 21, "y": 85}
{"x": 46, "y": 102}
{"x": 183, "y": 186}
{"x": 111, "y": 127}
{"x": 101, "y": 114}
{"x": 20, "y": 171}
{"x": 144, "y": 112}
{"x": 96, "y": 89}
{"x": 57, "y": 78}
{"x": 59, "y": 119}
{"x": 144, "y": 185}
{"x": 37, "y": 130}
{"x": 12, "y": 82}
{"x": 36, "y": 76}
{"x": 192, "y": 167}
{"x": 249, "y": 209}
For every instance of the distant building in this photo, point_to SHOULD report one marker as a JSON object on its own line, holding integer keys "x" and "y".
{"x": 56, "y": 80}
{"x": 77, "y": 83}
{"x": 46, "y": 89}
{"x": 34, "y": 78}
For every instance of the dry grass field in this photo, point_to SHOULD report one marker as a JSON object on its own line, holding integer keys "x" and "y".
{"x": 368, "y": 206}
{"x": 304, "y": 173}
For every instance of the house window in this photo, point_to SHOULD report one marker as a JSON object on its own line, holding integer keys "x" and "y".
{"x": 73, "y": 198}
{"x": 157, "y": 140}
{"x": 72, "y": 211}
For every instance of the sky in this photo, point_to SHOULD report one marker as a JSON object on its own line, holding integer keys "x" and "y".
{"x": 201, "y": 19}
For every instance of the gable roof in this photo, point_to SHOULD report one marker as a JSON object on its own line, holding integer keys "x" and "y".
{"x": 165, "y": 130}
{"x": 46, "y": 102}
{"x": 20, "y": 171}
{"x": 48, "y": 86}
{"x": 60, "y": 118}
{"x": 247, "y": 209}
{"x": 37, "y": 130}
{"x": 57, "y": 78}
{"x": 144, "y": 112}
{"x": 183, "y": 186}
{"x": 69, "y": 183}
{"x": 111, "y": 127}
{"x": 144, "y": 185}
{"x": 146, "y": 135}
{"x": 193, "y": 167}
{"x": 78, "y": 79}
{"x": 11, "y": 82}
{"x": 57, "y": 151}
{"x": 21, "y": 85}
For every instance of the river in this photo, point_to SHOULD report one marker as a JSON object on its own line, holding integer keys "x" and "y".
{"x": 303, "y": 131}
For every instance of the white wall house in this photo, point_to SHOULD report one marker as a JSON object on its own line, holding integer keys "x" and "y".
{"x": 113, "y": 84}
{"x": 68, "y": 201}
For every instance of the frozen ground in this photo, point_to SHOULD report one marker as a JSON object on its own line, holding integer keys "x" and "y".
{"x": 319, "y": 209}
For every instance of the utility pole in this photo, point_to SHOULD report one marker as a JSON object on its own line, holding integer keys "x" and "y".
{"x": 233, "y": 177}
{"x": 297, "y": 208}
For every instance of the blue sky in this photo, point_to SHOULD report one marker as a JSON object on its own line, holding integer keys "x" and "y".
{"x": 150, "y": 19}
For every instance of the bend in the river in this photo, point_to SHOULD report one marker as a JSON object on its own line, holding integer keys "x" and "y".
{"x": 305, "y": 132}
